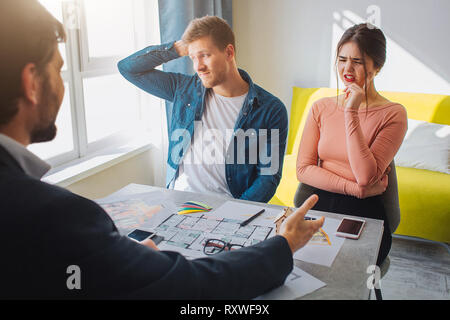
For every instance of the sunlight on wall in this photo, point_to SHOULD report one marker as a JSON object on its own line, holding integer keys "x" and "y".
{"x": 401, "y": 72}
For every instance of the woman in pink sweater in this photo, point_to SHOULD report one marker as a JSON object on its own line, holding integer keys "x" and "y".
{"x": 349, "y": 141}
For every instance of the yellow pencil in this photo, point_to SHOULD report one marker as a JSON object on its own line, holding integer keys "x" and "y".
{"x": 190, "y": 211}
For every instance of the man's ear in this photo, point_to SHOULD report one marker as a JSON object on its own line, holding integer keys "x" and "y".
{"x": 229, "y": 50}
{"x": 30, "y": 83}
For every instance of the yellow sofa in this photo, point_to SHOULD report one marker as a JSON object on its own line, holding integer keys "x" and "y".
{"x": 424, "y": 195}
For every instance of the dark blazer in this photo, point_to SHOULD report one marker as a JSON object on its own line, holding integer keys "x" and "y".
{"x": 45, "y": 229}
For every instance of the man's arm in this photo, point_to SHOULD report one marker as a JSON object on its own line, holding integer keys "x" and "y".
{"x": 139, "y": 69}
{"x": 114, "y": 266}
{"x": 79, "y": 232}
{"x": 241, "y": 274}
{"x": 269, "y": 174}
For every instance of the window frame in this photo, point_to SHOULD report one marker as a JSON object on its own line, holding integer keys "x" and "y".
{"x": 79, "y": 67}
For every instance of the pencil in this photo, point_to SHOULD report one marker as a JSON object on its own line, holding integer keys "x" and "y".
{"x": 246, "y": 222}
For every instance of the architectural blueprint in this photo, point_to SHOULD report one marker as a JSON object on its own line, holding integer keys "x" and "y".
{"x": 191, "y": 233}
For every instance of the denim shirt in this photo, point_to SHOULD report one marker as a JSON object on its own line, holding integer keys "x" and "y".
{"x": 251, "y": 171}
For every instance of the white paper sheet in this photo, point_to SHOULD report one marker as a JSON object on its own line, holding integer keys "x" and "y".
{"x": 313, "y": 253}
{"x": 297, "y": 284}
{"x": 129, "y": 203}
{"x": 322, "y": 254}
{"x": 242, "y": 211}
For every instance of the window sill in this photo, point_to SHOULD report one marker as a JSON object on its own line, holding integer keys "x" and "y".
{"x": 79, "y": 169}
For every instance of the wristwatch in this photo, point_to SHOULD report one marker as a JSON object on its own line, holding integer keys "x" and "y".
{"x": 281, "y": 217}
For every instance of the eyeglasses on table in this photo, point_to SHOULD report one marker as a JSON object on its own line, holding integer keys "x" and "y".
{"x": 214, "y": 246}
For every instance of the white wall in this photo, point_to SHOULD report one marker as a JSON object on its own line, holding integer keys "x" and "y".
{"x": 286, "y": 43}
{"x": 145, "y": 168}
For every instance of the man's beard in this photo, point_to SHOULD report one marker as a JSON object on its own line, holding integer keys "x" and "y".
{"x": 43, "y": 134}
{"x": 217, "y": 80}
{"x": 46, "y": 129}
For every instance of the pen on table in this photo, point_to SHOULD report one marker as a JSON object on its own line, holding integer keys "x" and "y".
{"x": 246, "y": 222}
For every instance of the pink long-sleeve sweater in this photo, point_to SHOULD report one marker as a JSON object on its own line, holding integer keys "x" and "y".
{"x": 343, "y": 151}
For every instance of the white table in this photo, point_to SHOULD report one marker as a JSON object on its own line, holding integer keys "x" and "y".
{"x": 345, "y": 279}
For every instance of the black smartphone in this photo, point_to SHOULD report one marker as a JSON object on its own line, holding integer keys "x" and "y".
{"x": 139, "y": 235}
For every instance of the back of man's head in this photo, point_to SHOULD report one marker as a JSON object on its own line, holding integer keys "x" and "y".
{"x": 28, "y": 34}
{"x": 215, "y": 27}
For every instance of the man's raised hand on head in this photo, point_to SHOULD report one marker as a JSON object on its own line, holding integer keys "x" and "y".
{"x": 181, "y": 48}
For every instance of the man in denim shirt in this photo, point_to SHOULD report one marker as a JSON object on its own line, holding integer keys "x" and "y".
{"x": 227, "y": 135}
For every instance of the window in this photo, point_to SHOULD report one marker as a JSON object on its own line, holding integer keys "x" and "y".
{"x": 100, "y": 108}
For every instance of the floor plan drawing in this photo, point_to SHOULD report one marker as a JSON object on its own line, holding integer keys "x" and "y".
{"x": 192, "y": 232}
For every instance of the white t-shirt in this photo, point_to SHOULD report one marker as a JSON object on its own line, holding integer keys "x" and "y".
{"x": 203, "y": 166}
